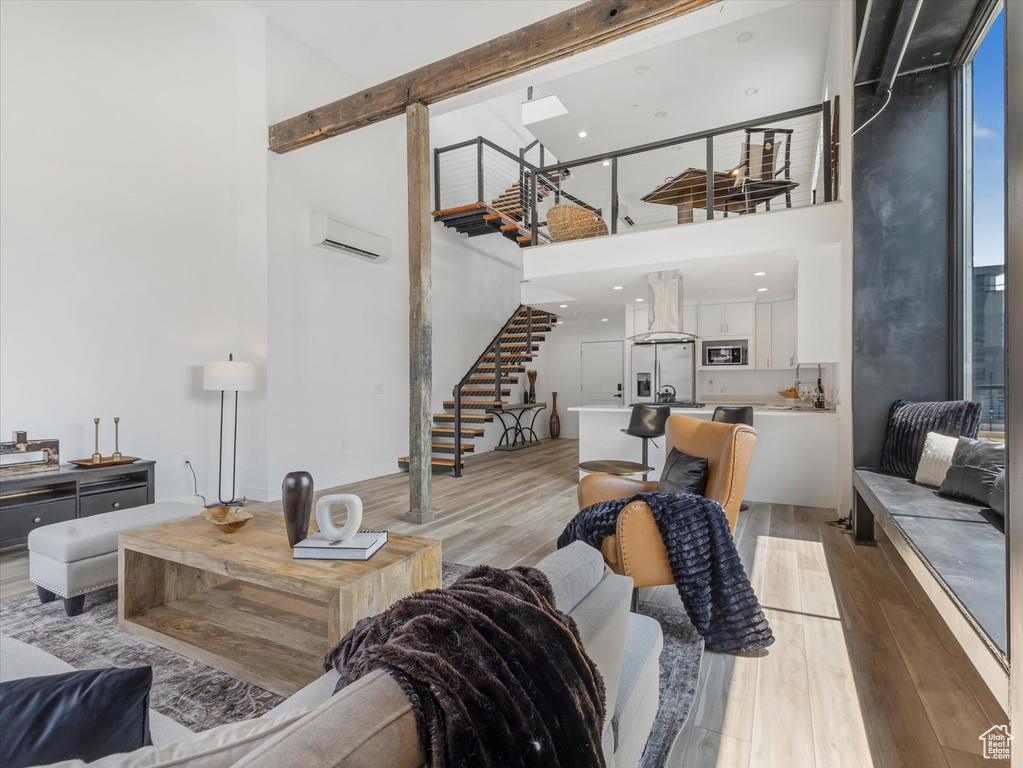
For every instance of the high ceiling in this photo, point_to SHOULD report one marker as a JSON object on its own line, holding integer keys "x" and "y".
{"x": 375, "y": 40}
{"x": 699, "y": 81}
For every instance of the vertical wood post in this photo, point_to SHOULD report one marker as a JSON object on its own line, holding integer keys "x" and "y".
{"x": 420, "y": 316}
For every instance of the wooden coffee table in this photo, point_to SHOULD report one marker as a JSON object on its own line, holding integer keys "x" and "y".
{"x": 240, "y": 603}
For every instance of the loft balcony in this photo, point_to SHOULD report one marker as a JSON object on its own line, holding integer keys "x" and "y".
{"x": 780, "y": 161}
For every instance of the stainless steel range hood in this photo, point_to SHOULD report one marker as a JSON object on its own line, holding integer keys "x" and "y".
{"x": 664, "y": 304}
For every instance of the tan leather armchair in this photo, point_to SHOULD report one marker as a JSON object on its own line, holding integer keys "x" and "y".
{"x": 636, "y": 548}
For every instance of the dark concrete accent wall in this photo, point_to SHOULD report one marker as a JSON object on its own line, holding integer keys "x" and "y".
{"x": 900, "y": 254}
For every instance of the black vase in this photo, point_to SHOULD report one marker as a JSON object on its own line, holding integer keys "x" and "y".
{"x": 532, "y": 393}
{"x": 297, "y": 498}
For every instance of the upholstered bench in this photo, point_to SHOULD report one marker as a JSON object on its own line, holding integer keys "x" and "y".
{"x": 71, "y": 558}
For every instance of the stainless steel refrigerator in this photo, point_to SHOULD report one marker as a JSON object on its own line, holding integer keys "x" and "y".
{"x": 655, "y": 366}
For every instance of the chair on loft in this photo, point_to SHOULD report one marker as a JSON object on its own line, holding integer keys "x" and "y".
{"x": 764, "y": 170}
{"x": 566, "y": 221}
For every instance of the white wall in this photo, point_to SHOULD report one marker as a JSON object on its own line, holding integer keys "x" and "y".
{"x": 118, "y": 240}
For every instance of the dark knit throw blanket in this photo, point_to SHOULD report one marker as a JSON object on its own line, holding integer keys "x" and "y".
{"x": 704, "y": 561}
{"x": 497, "y": 676}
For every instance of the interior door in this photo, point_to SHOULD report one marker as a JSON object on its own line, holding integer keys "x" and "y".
{"x": 602, "y": 375}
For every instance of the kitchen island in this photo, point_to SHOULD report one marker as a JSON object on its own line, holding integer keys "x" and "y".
{"x": 795, "y": 460}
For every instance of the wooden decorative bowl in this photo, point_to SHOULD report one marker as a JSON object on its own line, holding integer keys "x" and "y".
{"x": 788, "y": 394}
{"x": 227, "y": 519}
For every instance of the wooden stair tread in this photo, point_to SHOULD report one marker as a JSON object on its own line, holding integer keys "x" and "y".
{"x": 472, "y": 391}
{"x": 523, "y": 238}
{"x": 477, "y": 403}
{"x": 459, "y": 209}
{"x": 509, "y": 227}
{"x": 448, "y": 447}
{"x": 466, "y": 416}
{"x": 450, "y": 431}
{"x": 437, "y": 461}
{"x": 492, "y": 217}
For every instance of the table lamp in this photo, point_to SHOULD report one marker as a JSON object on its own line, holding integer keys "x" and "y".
{"x": 229, "y": 376}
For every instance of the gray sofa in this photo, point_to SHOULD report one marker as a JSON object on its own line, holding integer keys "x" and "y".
{"x": 370, "y": 722}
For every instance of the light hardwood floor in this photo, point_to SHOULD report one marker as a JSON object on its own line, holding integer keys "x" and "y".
{"x": 863, "y": 671}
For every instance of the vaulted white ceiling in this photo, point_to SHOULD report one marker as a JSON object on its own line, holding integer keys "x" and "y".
{"x": 375, "y": 40}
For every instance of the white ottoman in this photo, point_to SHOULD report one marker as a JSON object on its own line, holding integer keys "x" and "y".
{"x": 77, "y": 556}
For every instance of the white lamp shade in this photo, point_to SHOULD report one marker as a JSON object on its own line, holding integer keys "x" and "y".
{"x": 229, "y": 376}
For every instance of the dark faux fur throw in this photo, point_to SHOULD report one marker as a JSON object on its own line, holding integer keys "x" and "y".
{"x": 704, "y": 561}
{"x": 497, "y": 676}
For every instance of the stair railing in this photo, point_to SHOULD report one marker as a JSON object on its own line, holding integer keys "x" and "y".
{"x": 494, "y": 344}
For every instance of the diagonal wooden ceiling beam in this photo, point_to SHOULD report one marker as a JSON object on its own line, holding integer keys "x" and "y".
{"x": 578, "y": 29}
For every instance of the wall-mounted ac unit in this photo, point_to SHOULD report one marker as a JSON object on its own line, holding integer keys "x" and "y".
{"x": 336, "y": 236}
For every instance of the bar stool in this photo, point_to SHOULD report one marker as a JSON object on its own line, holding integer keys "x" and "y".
{"x": 647, "y": 422}
{"x": 734, "y": 414}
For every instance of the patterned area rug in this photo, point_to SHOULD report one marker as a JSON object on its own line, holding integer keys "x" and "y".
{"x": 200, "y": 697}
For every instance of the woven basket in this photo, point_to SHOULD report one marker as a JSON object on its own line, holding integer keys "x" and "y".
{"x": 573, "y": 222}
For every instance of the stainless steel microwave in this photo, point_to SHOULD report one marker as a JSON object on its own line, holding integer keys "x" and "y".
{"x": 725, "y": 355}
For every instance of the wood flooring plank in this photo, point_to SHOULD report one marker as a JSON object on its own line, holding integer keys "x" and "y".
{"x": 957, "y": 759}
{"x": 708, "y": 749}
{"x": 839, "y": 728}
{"x": 782, "y": 723}
{"x": 988, "y": 703}
{"x": 780, "y": 598}
{"x": 954, "y": 713}
{"x": 899, "y": 729}
{"x": 727, "y": 694}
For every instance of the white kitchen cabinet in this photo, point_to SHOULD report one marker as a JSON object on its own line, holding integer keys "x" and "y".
{"x": 710, "y": 320}
{"x": 763, "y": 337}
{"x": 783, "y": 335}
{"x": 739, "y": 319}
{"x": 734, "y": 319}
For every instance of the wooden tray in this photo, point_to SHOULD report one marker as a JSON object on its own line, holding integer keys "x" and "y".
{"x": 107, "y": 461}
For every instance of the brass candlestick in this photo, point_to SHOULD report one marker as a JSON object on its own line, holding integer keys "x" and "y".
{"x": 117, "y": 450}
{"x": 97, "y": 457}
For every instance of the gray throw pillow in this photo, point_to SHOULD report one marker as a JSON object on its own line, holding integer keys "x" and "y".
{"x": 683, "y": 473}
{"x": 997, "y": 498}
{"x": 975, "y": 465}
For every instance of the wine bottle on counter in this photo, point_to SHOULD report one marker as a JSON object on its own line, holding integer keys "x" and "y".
{"x": 818, "y": 395}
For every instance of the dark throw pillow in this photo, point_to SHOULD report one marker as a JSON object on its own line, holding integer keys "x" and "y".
{"x": 683, "y": 473}
{"x": 909, "y": 423}
{"x": 975, "y": 465}
{"x": 997, "y": 498}
{"x": 83, "y": 715}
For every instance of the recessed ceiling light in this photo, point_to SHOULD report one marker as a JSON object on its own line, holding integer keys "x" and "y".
{"x": 561, "y": 322}
{"x": 603, "y": 319}
{"x": 582, "y": 134}
{"x": 563, "y": 306}
{"x": 761, "y": 290}
{"x": 640, "y": 299}
{"x": 642, "y": 69}
{"x": 755, "y": 274}
{"x": 606, "y": 162}
{"x": 676, "y": 148}
{"x": 616, "y": 287}
{"x": 744, "y": 37}
{"x": 751, "y": 91}
{"x": 635, "y": 106}
{"x": 662, "y": 113}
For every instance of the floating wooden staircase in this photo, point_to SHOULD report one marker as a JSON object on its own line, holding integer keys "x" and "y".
{"x": 479, "y": 392}
{"x": 505, "y": 214}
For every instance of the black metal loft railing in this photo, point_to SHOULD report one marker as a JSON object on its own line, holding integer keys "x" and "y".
{"x": 478, "y": 172}
{"x": 788, "y": 159}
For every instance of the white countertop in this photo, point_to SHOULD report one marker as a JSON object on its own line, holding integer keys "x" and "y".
{"x": 760, "y": 410}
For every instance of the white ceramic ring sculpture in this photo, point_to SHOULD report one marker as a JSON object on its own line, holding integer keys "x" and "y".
{"x": 325, "y": 520}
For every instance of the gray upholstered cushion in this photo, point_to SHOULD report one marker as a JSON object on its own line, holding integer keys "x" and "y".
{"x": 87, "y": 537}
{"x": 314, "y": 694}
{"x": 638, "y": 692}
{"x": 365, "y": 725}
{"x": 70, "y": 579}
{"x": 573, "y": 572}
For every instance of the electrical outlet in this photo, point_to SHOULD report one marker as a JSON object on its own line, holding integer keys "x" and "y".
{"x": 378, "y": 389}
{"x": 724, "y": 390}
{"x": 186, "y": 459}
{"x": 710, "y": 385}
{"x": 344, "y": 445}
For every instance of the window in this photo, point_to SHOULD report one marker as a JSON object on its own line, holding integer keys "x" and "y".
{"x": 984, "y": 246}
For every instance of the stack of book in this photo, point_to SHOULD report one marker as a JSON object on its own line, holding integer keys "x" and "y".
{"x": 362, "y": 546}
